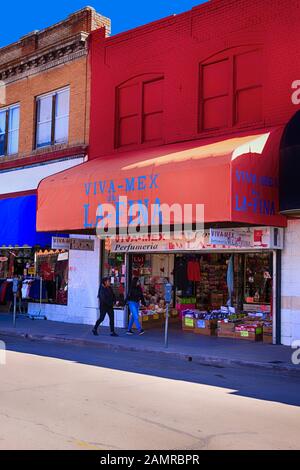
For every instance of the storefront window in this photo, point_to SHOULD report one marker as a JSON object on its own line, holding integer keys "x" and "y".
{"x": 258, "y": 279}
{"x": 153, "y": 271}
{"x": 114, "y": 267}
{"x": 52, "y": 268}
{"x": 19, "y": 262}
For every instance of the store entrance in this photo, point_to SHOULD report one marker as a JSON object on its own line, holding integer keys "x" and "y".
{"x": 215, "y": 294}
{"x": 225, "y": 294}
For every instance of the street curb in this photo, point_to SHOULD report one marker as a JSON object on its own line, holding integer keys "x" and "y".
{"x": 196, "y": 358}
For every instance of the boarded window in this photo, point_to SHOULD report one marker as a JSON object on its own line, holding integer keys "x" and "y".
{"x": 140, "y": 111}
{"x": 215, "y": 95}
{"x": 248, "y": 87}
{"x": 128, "y": 115}
{"x": 152, "y": 110}
{"x": 231, "y": 91}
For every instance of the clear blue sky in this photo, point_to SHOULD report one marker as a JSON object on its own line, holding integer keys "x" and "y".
{"x": 21, "y": 17}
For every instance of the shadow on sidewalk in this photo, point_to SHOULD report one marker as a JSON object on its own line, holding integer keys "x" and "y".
{"x": 247, "y": 382}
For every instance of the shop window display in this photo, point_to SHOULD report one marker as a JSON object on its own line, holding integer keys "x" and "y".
{"x": 14, "y": 262}
{"x": 153, "y": 271}
{"x": 114, "y": 267}
{"x": 18, "y": 262}
{"x": 247, "y": 313}
{"x": 258, "y": 279}
{"x": 226, "y": 294}
{"x": 43, "y": 277}
{"x": 52, "y": 268}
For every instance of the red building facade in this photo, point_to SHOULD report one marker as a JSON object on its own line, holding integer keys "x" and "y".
{"x": 202, "y": 107}
{"x": 218, "y": 72}
{"x": 222, "y": 68}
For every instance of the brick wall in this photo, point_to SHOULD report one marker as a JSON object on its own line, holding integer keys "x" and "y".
{"x": 290, "y": 290}
{"x": 85, "y": 20}
{"x": 56, "y": 57}
{"x": 176, "y": 46}
{"x": 73, "y": 74}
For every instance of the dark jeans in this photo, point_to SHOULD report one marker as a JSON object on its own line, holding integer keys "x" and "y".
{"x": 106, "y": 309}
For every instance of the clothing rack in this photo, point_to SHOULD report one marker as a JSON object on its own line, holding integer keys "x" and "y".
{"x": 21, "y": 300}
{"x": 39, "y": 315}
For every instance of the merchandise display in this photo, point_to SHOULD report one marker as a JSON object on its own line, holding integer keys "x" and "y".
{"x": 52, "y": 267}
{"x": 114, "y": 268}
{"x": 258, "y": 279}
{"x": 214, "y": 294}
{"x": 153, "y": 271}
{"x": 225, "y": 323}
{"x": 16, "y": 262}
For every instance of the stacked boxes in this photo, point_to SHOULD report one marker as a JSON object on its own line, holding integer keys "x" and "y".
{"x": 151, "y": 319}
{"x": 206, "y": 327}
{"x": 188, "y": 323}
{"x": 250, "y": 332}
{"x": 226, "y": 329}
{"x": 225, "y": 323}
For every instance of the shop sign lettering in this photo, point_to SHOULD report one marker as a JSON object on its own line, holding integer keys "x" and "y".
{"x": 252, "y": 193}
{"x": 60, "y": 243}
{"x": 112, "y": 190}
{"x": 63, "y": 243}
{"x": 235, "y": 238}
{"x": 209, "y": 240}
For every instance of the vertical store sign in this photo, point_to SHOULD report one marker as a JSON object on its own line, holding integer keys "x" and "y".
{"x": 255, "y": 172}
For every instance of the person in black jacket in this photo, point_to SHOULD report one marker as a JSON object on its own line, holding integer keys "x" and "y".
{"x": 133, "y": 299}
{"x": 106, "y": 304}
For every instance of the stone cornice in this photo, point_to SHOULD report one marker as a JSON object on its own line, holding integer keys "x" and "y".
{"x": 45, "y": 59}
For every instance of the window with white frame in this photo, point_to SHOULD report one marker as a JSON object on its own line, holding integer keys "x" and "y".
{"x": 52, "y": 122}
{"x": 9, "y": 130}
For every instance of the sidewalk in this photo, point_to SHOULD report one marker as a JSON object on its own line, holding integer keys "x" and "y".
{"x": 184, "y": 346}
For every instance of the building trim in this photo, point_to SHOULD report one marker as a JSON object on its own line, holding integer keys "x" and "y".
{"x": 18, "y": 194}
{"x": 46, "y": 59}
{"x": 39, "y": 158}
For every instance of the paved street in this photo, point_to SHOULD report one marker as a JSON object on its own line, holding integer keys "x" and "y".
{"x": 56, "y": 396}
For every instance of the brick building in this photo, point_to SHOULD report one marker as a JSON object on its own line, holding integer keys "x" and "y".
{"x": 45, "y": 62}
{"x": 44, "y": 126}
{"x": 185, "y": 88}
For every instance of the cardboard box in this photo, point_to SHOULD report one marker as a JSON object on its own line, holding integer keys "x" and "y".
{"x": 268, "y": 334}
{"x": 188, "y": 324}
{"x": 224, "y": 334}
{"x": 268, "y": 339}
{"x": 150, "y": 321}
{"x": 249, "y": 335}
{"x": 268, "y": 330}
{"x": 174, "y": 317}
{"x": 206, "y": 327}
{"x": 226, "y": 327}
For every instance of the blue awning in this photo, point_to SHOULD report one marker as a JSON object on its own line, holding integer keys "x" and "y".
{"x": 18, "y": 223}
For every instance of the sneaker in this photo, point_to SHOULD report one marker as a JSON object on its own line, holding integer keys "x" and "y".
{"x": 141, "y": 332}
{"x": 95, "y": 332}
{"x": 129, "y": 332}
{"x": 114, "y": 334}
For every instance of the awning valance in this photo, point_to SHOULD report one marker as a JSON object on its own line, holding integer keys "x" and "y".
{"x": 236, "y": 178}
{"x": 18, "y": 223}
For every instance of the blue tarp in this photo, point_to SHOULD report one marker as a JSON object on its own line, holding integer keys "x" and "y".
{"x": 18, "y": 223}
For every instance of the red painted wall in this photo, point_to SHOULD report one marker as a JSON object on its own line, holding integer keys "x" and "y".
{"x": 224, "y": 66}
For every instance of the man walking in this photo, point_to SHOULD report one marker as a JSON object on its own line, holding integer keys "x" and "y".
{"x": 106, "y": 304}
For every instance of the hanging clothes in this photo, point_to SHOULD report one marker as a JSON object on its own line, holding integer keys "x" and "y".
{"x": 193, "y": 270}
{"x": 180, "y": 273}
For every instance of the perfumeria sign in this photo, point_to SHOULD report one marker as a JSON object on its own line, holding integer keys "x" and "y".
{"x": 237, "y": 239}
